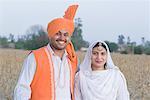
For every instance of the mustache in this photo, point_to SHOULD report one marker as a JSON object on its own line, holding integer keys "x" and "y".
{"x": 65, "y": 40}
{"x": 61, "y": 40}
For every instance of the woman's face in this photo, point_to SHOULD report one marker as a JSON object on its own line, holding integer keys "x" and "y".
{"x": 98, "y": 58}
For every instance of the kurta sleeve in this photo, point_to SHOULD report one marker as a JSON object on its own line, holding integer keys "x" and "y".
{"x": 22, "y": 90}
{"x": 77, "y": 90}
{"x": 122, "y": 93}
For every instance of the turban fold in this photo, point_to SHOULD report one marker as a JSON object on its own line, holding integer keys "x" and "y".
{"x": 66, "y": 23}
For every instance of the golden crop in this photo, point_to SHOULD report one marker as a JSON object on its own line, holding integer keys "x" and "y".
{"x": 136, "y": 69}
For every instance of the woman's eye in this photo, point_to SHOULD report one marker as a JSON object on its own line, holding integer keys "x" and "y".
{"x": 94, "y": 53}
{"x": 103, "y": 53}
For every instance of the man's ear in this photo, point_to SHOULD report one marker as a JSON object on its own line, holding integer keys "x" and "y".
{"x": 70, "y": 39}
{"x": 49, "y": 38}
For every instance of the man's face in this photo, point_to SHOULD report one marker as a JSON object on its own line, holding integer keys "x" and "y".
{"x": 60, "y": 40}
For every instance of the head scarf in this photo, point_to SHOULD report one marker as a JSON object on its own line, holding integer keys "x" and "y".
{"x": 66, "y": 23}
{"x": 86, "y": 64}
{"x": 99, "y": 85}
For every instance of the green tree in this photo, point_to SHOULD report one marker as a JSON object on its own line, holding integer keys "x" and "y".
{"x": 19, "y": 44}
{"x": 36, "y": 37}
{"x": 138, "y": 49}
{"x": 147, "y": 50}
{"x": 121, "y": 39}
{"x": 112, "y": 46}
{"x": 77, "y": 38}
{"x": 11, "y": 38}
{"x": 3, "y": 42}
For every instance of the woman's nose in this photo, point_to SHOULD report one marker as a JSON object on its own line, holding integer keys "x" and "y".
{"x": 99, "y": 56}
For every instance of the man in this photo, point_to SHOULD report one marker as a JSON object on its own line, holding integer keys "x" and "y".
{"x": 48, "y": 73}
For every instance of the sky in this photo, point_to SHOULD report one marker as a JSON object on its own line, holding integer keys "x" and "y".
{"x": 101, "y": 19}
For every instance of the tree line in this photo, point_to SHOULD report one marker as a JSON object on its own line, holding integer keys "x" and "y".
{"x": 36, "y": 37}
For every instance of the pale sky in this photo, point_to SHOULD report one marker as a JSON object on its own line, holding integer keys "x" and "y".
{"x": 102, "y": 19}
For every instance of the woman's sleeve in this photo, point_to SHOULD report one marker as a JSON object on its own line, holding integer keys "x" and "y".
{"x": 77, "y": 90}
{"x": 122, "y": 93}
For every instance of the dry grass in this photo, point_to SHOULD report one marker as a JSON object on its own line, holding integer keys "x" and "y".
{"x": 136, "y": 69}
{"x": 10, "y": 66}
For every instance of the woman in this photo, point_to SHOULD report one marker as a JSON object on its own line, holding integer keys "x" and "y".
{"x": 99, "y": 78}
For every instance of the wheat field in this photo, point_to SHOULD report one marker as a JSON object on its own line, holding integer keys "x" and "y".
{"x": 136, "y": 69}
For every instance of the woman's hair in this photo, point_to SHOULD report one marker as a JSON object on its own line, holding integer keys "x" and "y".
{"x": 100, "y": 44}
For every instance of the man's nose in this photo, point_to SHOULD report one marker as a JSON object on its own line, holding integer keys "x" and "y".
{"x": 62, "y": 36}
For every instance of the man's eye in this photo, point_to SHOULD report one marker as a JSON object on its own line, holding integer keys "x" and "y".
{"x": 66, "y": 34}
{"x": 58, "y": 33}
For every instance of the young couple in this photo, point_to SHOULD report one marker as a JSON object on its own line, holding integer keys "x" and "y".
{"x": 49, "y": 73}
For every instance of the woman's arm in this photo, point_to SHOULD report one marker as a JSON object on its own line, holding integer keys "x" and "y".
{"x": 122, "y": 93}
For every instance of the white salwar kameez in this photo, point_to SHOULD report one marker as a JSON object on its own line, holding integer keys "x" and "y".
{"x": 109, "y": 84}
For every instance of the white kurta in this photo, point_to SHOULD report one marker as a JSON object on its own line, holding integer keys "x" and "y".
{"x": 109, "y": 84}
{"x": 61, "y": 73}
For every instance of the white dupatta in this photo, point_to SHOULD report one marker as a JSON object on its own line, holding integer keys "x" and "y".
{"x": 100, "y": 85}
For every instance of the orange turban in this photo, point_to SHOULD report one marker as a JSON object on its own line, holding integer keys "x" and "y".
{"x": 66, "y": 23}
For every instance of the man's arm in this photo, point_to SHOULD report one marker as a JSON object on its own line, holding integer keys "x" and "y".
{"x": 23, "y": 90}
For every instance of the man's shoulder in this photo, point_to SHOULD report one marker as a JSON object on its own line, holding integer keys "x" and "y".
{"x": 38, "y": 50}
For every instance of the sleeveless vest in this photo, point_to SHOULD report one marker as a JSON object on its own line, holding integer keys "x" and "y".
{"x": 43, "y": 86}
